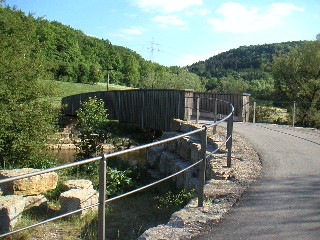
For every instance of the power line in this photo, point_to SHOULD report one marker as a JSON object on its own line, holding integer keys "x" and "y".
{"x": 153, "y": 48}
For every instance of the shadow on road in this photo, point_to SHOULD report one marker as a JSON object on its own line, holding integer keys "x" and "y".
{"x": 286, "y": 208}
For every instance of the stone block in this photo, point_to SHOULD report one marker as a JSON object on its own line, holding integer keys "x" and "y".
{"x": 175, "y": 125}
{"x": 187, "y": 127}
{"x": 164, "y": 232}
{"x": 171, "y": 163}
{"x": 172, "y": 145}
{"x": 11, "y": 208}
{"x": 36, "y": 201}
{"x": 75, "y": 199}
{"x": 154, "y": 154}
{"x": 77, "y": 184}
{"x": 183, "y": 149}
{"x": 194, "y": 152}
{"x": 28, "y": 186}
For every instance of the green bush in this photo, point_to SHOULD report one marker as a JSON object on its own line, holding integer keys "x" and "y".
{"x": 92, "y": 119}
{"x": 266, "y": 114}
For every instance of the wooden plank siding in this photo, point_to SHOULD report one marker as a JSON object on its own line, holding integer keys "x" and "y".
{"x": 156, "y": 109}
{"x": 148, "y": 108}
{"x": 207, "y": 103}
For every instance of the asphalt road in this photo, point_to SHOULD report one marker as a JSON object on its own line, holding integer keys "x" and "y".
{"x": 285, "y": 202}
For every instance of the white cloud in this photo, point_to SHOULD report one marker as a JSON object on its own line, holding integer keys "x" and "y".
{"x": 166, "y": 6}
{"x": 238, "y": 18}
{"x": 165, "y": 21}
{"x": 132, "y": 31}
{"x": 129, "y": 32}
{"x": 202, "y": 12}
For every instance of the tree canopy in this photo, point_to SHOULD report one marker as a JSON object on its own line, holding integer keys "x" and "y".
{"x": 69, "y": 55}
{"x": 26, "y": 118}
{"x": 246, "y": 62}
{"x": 297, "y": 77}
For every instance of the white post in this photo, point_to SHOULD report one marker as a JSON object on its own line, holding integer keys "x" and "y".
{"x": 294, "y": 114}
{"x": 254, "y": 112}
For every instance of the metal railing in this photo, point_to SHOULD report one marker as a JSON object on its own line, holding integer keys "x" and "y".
{"x": 202, "y": 132}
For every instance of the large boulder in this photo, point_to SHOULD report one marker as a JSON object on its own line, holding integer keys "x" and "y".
{"x": 37, "y": 201}
{"x": 11, "y": 208}
{"x": 28, "y": 186}
{"x": 77, "y": 184}
{"x": 75, "y": 199}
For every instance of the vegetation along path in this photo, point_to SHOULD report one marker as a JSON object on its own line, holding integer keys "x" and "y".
{"x": 285, "y": 202}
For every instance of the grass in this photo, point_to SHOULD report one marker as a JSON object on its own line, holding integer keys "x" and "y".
{"x": 63, "y": 89}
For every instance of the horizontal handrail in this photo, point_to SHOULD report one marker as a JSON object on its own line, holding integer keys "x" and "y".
{"x": 105, "y": 156}
{"x": 154, "y": 183}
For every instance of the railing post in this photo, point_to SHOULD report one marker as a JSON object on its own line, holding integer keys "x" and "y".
{"x": 202, "y": 166}
{"x": 229, "y": 143}
{"x": 214, "y": 129}
{"x": 254, "y": 112}
{"x": 198, "y": 110}
{"x": 294, "y": 114}
{"x": 102, "y": 199}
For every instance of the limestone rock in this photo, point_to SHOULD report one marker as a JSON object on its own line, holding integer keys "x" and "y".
{"x": 11, "y": 208}
{"x": 164, "y": 232}
{"x": 154, "y": 154}
{"x": 77, "y": 184}
{"x": 28, "y": 186}
{"x": 172, "y": 145}
{"x": 78, "y": 198}
{"x": 35, "y": 201}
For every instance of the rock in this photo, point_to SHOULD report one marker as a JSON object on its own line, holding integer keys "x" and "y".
{"x": 35, "y": 201}
{"x": 28, "y": 186}
{"x": 154, "y": 154}
{"x": 183, "y": 148}
{"x": 175, "y": 125}
{"x": 78, "y": 198}
{"x": 107, "y": 148}
{"x": 171, "y": 163}
{"x": 164, "y": 232}
{"x": 11, "y": 208}
{"x": 172, "y": 145}
{"x": 187, "y": 127}
{"x": 77, "y": 184}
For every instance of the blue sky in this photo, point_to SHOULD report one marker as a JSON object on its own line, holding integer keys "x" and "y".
{"x": 181, "y": 32}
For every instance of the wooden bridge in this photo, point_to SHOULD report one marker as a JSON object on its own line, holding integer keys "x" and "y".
{"x": 156, "y": 109}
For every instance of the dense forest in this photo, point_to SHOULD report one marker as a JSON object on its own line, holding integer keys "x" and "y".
{"x": 246, "y": 62}
{"x": 70, "y": 55}
{"x": 245, "y": 69}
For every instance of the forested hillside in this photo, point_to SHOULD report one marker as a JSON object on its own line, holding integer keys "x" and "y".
{"x": 69, "y": 55}
{"x": 246, "y": 62}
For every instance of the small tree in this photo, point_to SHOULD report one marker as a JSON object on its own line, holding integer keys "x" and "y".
{"x": 318, "y": 37}
{"x": 92, "y": 118}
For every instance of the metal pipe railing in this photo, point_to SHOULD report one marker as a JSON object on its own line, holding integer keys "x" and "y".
{"x": 102, "y": 172}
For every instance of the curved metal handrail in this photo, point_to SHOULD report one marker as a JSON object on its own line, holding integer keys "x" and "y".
{"x": 104, "y": 156}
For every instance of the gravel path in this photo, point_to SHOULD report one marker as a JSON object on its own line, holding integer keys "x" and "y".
{"x": 285, "y": 202}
